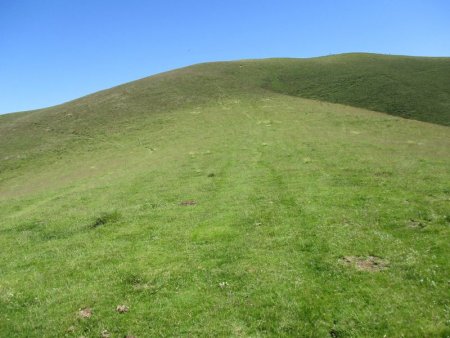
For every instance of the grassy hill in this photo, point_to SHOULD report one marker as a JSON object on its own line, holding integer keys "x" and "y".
{"x": 410, "y": 87}
{"x": 220, "y": 200}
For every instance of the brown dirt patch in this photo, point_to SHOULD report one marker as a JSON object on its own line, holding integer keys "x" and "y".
{"x": 85, "y": 313}
{"x": 122, "y": 308}
{"x": 188, "y": 202}
{"x": 369, "y": 263}
{"x": 412, "y": 223}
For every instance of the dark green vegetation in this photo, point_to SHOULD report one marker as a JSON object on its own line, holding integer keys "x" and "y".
{"x": 410, "y": 87}
{"x": 212, "y": 201}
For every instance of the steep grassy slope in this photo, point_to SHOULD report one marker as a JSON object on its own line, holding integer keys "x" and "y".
{"x": 417, "y": 88}
{"x": 212, "y": 205}
{"x": 410, "y": 87}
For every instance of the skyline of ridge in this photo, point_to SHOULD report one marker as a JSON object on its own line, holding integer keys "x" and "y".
{"x": 55, "y": 52}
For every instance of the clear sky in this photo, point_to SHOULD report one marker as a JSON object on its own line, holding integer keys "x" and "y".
{"x": 52, "y": 51}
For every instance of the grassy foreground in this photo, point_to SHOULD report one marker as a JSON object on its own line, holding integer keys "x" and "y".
{"x": 228, "y": 211}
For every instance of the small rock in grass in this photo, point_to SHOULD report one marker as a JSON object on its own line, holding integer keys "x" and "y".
{"x": 105, "y": 334}
{"x": 85, "y": 313}
{"x": 122, "y": 308}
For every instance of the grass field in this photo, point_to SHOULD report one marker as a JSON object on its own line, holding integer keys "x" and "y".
{"x": 220, "y": 200}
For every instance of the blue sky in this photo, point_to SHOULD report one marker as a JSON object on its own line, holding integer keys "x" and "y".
{"x": 52, "y": 51}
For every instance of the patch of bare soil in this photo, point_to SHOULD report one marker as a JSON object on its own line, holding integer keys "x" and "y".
{"x": 369, "y": 263}
{"x": 85, "y": 313}
{"x": 188, "y": 202}
{"x": 122, "y": 308}
{"x": 416, "y": 224}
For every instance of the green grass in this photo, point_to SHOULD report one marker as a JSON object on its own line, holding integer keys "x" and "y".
{"x": 92, "y": 214}
{"x": 410, "y": 87}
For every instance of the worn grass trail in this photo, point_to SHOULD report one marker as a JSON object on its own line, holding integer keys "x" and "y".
{"x": 280, "y": 189}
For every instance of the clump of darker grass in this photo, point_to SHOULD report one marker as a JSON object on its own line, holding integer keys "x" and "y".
{"x": 133, "y": 279}
{"x": 106, "y": 218}
{"x": 30, "y": 225}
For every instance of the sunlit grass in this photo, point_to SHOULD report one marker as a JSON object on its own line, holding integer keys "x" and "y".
{"x": 257, "y": 215}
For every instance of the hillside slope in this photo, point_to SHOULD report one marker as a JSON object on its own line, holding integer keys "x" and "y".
{"x": 213, "y": 202}
{"x": 412, "y": 87}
